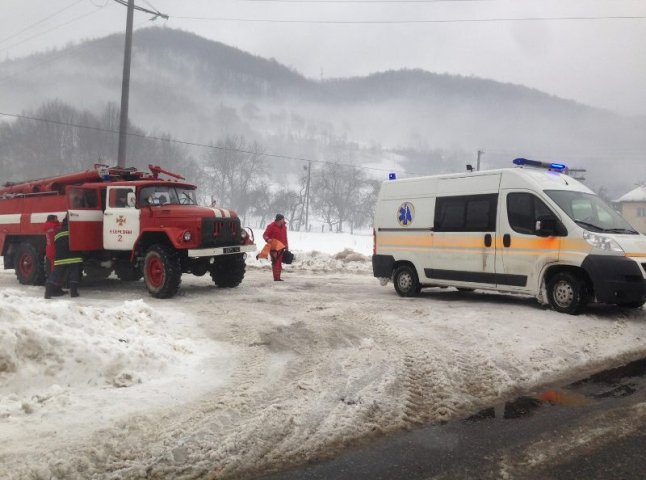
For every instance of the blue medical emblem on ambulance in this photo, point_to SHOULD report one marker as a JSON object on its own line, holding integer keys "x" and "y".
{"x": 405, "y": 214}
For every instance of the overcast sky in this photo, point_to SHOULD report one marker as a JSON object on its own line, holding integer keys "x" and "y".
{"x": 598, "y": 62}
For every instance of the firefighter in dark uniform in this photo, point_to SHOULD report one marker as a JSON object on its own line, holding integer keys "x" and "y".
{"x": 66, "y": 262}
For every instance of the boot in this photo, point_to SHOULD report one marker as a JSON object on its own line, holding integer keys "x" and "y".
{"x": 74, "y": 289}
{"x": 48, "y": 290}
{"x": 57, "y": 291}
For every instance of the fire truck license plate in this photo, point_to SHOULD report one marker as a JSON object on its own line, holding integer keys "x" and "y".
{"x": 231, "y": 249}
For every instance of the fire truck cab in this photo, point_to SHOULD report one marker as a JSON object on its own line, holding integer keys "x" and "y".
{"x": 133, "y": 223}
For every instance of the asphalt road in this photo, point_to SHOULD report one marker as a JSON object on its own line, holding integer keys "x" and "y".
{"x": 593, "y": 429}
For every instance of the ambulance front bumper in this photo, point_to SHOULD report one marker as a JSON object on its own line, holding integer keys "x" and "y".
{"x": 617, "y": 280}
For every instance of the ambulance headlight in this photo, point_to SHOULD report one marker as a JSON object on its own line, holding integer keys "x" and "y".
{"x": 187, "y": 236}
{"x": 602, "y": 242}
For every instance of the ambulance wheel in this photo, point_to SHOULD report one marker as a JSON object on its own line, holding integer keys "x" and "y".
{"x": 29, "y": 265}
{"x": 162, "y": 271}
{"x": 567, "y": 293}
{"x": 406, "y": 281}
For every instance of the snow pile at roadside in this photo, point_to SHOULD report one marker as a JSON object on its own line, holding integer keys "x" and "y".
{"x": 325, "y": 252}
{"x": 65, "y": 360}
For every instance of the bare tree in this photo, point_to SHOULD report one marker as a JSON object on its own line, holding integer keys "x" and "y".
{"x": 235, "y": 169}
{"x": 337, "y": 192}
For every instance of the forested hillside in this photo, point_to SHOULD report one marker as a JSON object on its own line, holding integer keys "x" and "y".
{"x": 200, "y": 91}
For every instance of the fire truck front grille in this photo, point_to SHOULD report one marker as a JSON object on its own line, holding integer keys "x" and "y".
{"x": 220, "y": 232}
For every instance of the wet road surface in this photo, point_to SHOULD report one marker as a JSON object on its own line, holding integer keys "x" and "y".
{"x": 592, "y": 429}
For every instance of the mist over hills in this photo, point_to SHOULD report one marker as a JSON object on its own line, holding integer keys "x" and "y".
{"x": 200, "y": 90}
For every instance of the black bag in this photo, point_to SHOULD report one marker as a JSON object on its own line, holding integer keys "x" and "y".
{"x": 288, "y": 257}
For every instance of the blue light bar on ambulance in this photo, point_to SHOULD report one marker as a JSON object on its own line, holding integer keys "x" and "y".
{"x": 524, "y": 162}
{"x": 392, "y": 176}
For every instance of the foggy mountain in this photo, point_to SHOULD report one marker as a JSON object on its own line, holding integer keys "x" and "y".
{"x": 200, "y": 90}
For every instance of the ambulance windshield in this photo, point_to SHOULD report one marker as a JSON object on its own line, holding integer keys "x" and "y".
{"x": 590, "y": 212}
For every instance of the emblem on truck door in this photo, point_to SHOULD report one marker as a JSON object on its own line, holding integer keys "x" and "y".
{"x": 406, "y": 213}
{"x": 121, "y": 220}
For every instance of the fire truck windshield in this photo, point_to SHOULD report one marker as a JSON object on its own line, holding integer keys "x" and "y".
{"x": 166, "y": 194}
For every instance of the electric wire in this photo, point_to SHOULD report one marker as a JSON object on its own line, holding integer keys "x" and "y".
{"x": 2, "y": 40}
{"x": 412, "y": 21}
{"x": 195, "y": 144}
{"x": 98, "y": 9}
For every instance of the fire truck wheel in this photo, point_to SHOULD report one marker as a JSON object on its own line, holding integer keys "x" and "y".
{"x": 162, "y": 271}
{"x": 127, "y": 273}
{"x": 29, "y": 265}
{"x": 228, "y": 271}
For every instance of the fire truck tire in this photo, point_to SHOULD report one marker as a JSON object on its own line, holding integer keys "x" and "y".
{"x": 228, "y": 271}
{"x": 162, "y": 271}
{"x": 127, "y": 273}
{"x": 29, "y": 265}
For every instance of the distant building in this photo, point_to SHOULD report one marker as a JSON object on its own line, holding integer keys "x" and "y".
{"x": 633, "y": 207}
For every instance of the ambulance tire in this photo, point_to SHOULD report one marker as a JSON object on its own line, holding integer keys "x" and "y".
{"x": 567, "y": 293}
{"x": 406, "y": 281}
{"x": 29, "y": 265}
{"x": 162, "y": 271}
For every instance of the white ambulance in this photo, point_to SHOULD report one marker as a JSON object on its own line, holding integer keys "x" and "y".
{"x": 530, "y": 229}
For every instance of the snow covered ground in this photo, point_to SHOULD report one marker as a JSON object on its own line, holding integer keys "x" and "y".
{"x": 221, "y": 383}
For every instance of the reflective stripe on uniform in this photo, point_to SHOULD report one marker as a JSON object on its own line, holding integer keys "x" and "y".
{"x": 68, "y": 261}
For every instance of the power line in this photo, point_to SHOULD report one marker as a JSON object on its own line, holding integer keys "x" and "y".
{"x": 155, "y": 12}
{"x": 362, "y": 1}
{"x": 68, "y": 52}
{"x": 54, "y": 28}
{"x": 415, "y": 21}
{"x": 40, "y": 21}
{"x": 193, "y": 144}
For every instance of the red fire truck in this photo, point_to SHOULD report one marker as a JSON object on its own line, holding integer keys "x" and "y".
{"x": 127, "y": 221}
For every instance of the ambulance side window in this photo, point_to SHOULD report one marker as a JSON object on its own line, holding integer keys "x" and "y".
{"x": 466, "y": 213}
{"x": 523, "y": 209}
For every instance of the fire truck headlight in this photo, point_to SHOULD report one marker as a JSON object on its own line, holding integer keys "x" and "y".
{"x": 244, "y": 234}
{"x": 187, "y": 236}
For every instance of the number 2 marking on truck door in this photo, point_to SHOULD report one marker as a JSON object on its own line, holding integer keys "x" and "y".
{"x": 119, "y": 238}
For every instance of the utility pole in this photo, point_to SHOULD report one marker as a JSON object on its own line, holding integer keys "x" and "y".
{"x": 125, "y": 87}
{"x": 480, "y": 152}
{"x": 125, "y": 81}
{"x": 307, "y": 196}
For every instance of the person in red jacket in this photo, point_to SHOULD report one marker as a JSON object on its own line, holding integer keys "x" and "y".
{"x": 277, "y": 230}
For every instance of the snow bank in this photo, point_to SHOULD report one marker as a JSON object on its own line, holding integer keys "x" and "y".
{"x": 325, "y": 252}
{"x": 93, "y": 363}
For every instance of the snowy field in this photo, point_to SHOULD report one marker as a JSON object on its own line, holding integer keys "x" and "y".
{"x": 220, "y": 383}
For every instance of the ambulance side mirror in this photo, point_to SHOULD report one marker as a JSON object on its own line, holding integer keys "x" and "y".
{"x": 546, "y": 226}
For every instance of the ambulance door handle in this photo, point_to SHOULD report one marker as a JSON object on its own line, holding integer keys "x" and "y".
{"x": 487, "y": 240}
{"x": 506, "y": 240}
